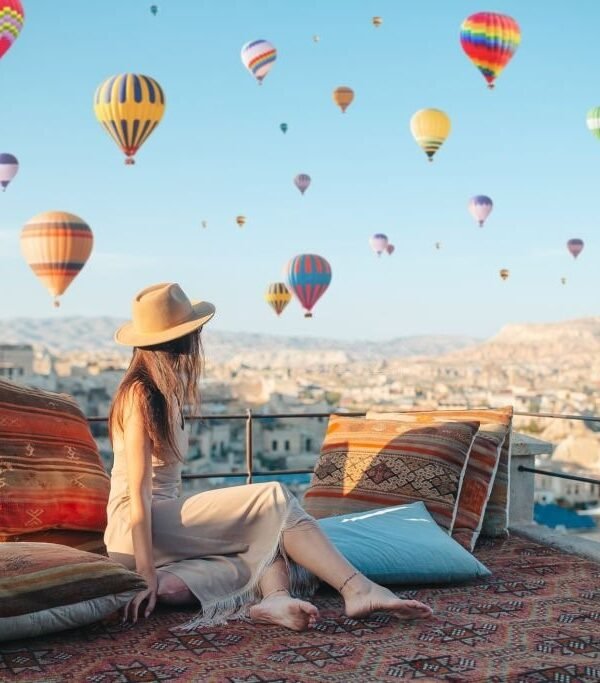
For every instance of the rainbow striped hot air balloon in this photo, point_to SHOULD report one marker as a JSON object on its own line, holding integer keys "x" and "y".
{"x": 490, "y": 40}
{"x": 308, "y": 276}
{"x": 56, "y": 246}
{"x": 9, "y": 165}
{"x": 480, "y": 208}
{"x": 430, "y": 128}
{"x": 278, "y": 296}
{"x": 12, "y": 18}
{"x": 129, "y": 106}
{"x": 258, "y": 56}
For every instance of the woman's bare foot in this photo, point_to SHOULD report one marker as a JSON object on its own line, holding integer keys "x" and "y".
{"x": 284, "y": 610}
{"x": 365, "y": 597}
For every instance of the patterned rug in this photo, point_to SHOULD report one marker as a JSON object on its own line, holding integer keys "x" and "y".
{"x": 536, "y": 619}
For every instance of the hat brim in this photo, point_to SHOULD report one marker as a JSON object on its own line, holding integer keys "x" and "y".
{"x": 127, "y": 335}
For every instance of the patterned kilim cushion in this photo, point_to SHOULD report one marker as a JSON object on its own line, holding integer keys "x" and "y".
{"x": 92, "y": 541}
{"x": 491, "y": 446}
{"x": 51, "y": 475}
{"x": 365, "y": 464}
{"x": 45, "y": 587}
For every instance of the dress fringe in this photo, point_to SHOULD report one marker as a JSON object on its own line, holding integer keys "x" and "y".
{"x": 303, "y": 584}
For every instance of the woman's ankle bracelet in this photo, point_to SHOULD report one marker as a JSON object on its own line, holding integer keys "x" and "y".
{"x": 277, "y": 590}
{"x": 346, "y": 581}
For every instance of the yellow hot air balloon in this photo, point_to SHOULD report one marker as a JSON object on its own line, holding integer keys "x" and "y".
{"x": 504, "y": 273}
{"x": 240, "y": 220}
{"x": 56, "y": 246}
{"x": 430, "y": 127}
{"x": 129, "y": 106}
{"x": 343, "y": 96}
{"x": 278, "y": 296}
{"x": 377, "y": 21}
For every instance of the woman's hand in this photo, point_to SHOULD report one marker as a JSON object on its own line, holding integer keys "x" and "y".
{"x": 132, "y": 610}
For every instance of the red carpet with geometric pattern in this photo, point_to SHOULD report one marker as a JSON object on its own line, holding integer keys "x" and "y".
{"x": 536, "y": 620}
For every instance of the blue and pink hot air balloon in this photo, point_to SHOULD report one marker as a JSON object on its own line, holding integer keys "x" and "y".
{"x": 480, "y": 207}
{"x": 9, "y": 166}
{"x": 308, "y": 277}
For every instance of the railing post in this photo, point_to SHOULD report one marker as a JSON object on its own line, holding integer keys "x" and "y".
{"x": 249, "y": 449}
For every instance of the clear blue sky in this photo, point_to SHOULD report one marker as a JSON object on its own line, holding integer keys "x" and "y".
{"x": 219, "y": 152}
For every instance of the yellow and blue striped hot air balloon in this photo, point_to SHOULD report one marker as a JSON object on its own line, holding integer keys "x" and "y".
{"x": 129, "y": 106}
{"x": 278, "y": 296}
{"x": 430, "y": 127}
{"x": 56, "y": 246}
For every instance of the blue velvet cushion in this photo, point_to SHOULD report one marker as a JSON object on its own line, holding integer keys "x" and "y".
{"x": 401, "y": 544}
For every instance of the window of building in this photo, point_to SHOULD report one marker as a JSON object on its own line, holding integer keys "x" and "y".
{"x": 568, "y": 490}
{"x": 274, "y": 445}
{"x": 576, "y": 489}
{"x": 286, "y": 445}
{"x": 308, "y": 444}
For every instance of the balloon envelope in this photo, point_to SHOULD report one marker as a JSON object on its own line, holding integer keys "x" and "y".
{"x": 129, "y": 106}
{"x": 575, "y": 246}
{"x": 343, "y": 96}
{"x": 490, "y": 40}
{"x": 284, "y": 127}
{"x": 430, "y": 127}
{"x": 302, "y": 182}
{"x": 593, "y": 121}
{"x": 154, "y": 9}
{"x": 390, "y": 249}
{"x": 308, "y": 277}
{"x": 56, "y": 246}
{"x": 316, "y": 39}
{"x": 12, "y": 18}
{"x": 377, "y": 21}
{"x": 504, "y": 273}
{"x": 258, "y": 56}
{"x": 9, "y": 166}
{"x": 240, "y": 220}
{"x": 379, "y": 243}
{"x": 278, "y": 296}
{"x": 480, "y": 208}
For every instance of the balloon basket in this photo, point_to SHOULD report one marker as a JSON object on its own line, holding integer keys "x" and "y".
{"x": 490, "y": 86}
{"x": 56, "y": 303}
{"x": 308, "y": 314}
{"x": 129, "y": 161}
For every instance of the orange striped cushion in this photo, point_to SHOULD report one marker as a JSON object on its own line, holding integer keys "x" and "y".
{"x": 365, "y": 464}
{"x": 490, "y": 448}
{"x": 51, "y": 475}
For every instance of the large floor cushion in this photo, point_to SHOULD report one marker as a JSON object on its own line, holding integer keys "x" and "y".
{"x": 484, "y": 493}
{"x": 366, "y": 464}
{"x": 51, "y": 474}
{"x": 92, "y": 541}
{"x": 45, "y": 587}
{"x": 401, "y": 545}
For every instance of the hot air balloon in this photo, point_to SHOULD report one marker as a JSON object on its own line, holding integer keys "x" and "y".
{"x": 302, "y": 182}
{"x": 240, "y": 220}
{"x": 438, "y": 245}
{"x": 308, "y": 277}
{"x": 316, "y": 39}
{"x": 258, "y": 56}
{"x": 284, "y": 127}
{"x": 343, "y": 97}
{"x": 9, "y": 166}
{"x": 154, "y": 9}
{"x": 12, "y": 18}
{"x": 504, "y": 273}
{"x": 205, "y": 224}
{"x": 489, "y": 41}
{"x": 129, "y": 106}
{"x": 56, "y": 246}
{"x": 379, "y": 243}
{"x": 480, "y": 208}
{"x": 390, "y": 249}
{"x": 575, "y": 246}
{"x": 430, "y": 127}
{"x": 593, "y": 121}
{"x": 563, "y": 280}
{"x": 278, "y": 296}
{"x": 377, "y": 21}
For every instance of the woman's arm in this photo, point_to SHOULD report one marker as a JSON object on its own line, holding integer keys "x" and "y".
{"x": 138, "y": 451}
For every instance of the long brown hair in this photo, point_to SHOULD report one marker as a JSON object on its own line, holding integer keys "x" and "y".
{"x": 157, "y": 374}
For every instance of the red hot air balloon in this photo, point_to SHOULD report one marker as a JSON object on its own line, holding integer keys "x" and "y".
{"x": 575, "y": 246}
{"x": 308, "y": 276}
{"x": 390, "y": 249}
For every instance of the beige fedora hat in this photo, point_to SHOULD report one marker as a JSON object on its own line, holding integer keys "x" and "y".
{"x": 161, "y": 313}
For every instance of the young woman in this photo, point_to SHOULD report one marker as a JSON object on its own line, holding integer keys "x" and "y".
{"x": 241, "y": 551}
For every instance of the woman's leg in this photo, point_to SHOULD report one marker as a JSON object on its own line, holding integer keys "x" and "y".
{"x": 173, "y": 591}
{"x": 308, "y": 546}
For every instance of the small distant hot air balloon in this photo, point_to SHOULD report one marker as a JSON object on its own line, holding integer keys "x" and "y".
{"x": 593, "y": 121}
{"x": 504, "y": 273}
{"x": 316, "y": 39}
{"x": 430, "y": 127}
{"x": 129, "y": 106}
{"x": 284, "y": 127}
{"x": 12, "y": 18}
{"x": 9, "y": 166}
{"x": 377, "y": 21}
{"x": 258, "y": 56}
{"x": 480, "y": 208}
{"x": 343, "y": 97}
{"x": 563, "y": 280}
{"x": 489, "y": 41}
{"x": 438, "y": 245}
{"x": 56, "y": 246}
{"x": 302, "y": 182}
{"x": 308, "y": 277}
{"x": 154, "y": 9}
{"x": 379, "y": 243}
{"x": 278, "y": 296}
{"x": 390, "y": 249}
{"x": 575, "y": 246}
{"x": 205, "y": 224}
{"x": 240, "y": 220}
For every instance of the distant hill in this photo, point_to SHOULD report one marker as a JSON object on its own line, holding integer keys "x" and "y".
{"x": 95, "y": 334}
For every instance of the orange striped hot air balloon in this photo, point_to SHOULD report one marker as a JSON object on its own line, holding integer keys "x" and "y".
{"x": 56, "y": 246}
{"x": 343, "y": 97}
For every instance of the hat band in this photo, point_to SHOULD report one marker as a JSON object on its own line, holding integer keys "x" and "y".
{"x": 188, "y": 317}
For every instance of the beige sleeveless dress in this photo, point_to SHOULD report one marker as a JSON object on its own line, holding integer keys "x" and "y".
{"x": 218, "y": 542}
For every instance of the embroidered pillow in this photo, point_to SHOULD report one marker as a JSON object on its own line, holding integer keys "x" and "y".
{"x": 365, "y": 464}
{"x": 491, "y": 444}
{"x": 51, "y": 475}
{"x": 46, "y": 587}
